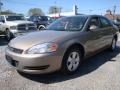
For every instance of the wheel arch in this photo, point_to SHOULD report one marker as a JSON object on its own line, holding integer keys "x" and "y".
{"x": 5, "y": 30}
{"x": 78, "y": 45}
{"x": 41, "y": 26}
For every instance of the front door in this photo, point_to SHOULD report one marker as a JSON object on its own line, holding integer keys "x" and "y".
{"x": 95, "y": 36}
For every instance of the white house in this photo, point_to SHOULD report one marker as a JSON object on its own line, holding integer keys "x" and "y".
{"x": 71, "y": 13}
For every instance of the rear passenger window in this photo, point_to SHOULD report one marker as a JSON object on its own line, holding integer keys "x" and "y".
{"x": 105, "y": 22}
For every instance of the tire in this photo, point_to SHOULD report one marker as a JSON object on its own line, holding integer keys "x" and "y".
{"x": 8, "y": 35}
{"x": 113, "y": 45}
{"x": 41, "y": 27}
{"x": 71, "y": 61}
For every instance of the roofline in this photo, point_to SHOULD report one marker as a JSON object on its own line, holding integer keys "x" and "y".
{"x": 86, "y": 15}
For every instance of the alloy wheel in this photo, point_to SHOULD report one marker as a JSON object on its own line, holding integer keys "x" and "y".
{"x": 73, "y": 61}
{"x": 113, "y": 44}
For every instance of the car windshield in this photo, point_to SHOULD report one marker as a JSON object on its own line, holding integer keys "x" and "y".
{"x": 68, "y": 24}
{"x": 14, "y": 18}
{"x": 39, "y": 18}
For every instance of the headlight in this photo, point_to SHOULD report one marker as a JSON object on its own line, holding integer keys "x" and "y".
{"x": 13, "y": 27}
{"x": 42, "y": 48}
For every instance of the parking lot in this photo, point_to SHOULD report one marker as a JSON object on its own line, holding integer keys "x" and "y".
{"x": 101, "y": 72}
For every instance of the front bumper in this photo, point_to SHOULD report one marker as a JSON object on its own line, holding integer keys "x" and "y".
{"x": 34, "y": 64}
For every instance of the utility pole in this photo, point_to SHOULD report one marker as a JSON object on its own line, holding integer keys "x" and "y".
{"x": 1, "y": 6}
{"x": 114, "y": 11}
{"x": 60, "y": 9}
{"x": 55, "y": 9}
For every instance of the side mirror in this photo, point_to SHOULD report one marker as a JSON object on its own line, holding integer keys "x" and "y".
{"x": 93, "y": 27}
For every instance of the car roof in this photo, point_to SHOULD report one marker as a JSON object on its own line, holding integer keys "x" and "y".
{"x": 88, "y": 16}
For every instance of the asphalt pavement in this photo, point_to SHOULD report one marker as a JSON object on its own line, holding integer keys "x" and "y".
{"x": 100, "y": 72}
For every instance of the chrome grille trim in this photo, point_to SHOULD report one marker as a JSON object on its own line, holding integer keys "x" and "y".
{"x": 26, "y": 27}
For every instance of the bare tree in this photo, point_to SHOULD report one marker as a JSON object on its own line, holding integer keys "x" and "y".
{"x": 35, "y": 11}
{"x": 54, "y": 9}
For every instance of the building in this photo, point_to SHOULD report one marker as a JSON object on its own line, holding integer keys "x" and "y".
{"x": 73, "y": 12}
{"x": 111, "y": 16}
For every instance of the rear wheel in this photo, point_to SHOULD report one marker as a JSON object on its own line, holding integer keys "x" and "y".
{"x": 41, "y": 27}
{"x": 113, "y": 45}
{"x": 71, "y": 61}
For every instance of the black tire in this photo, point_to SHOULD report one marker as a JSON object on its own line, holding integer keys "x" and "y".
{"x": 8, "y": 35}
{"x": 65, "y": 68}
{"x": 113, "y": 44}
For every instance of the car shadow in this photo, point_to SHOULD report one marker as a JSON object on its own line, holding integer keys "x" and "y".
{"x": 86, "y": 67}
{"x": 3, "y": 41}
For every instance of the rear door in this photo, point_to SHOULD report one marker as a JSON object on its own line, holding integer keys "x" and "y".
{"x": 107, "y": 31}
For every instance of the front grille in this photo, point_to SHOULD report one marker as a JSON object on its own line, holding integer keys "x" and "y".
{"x": 21, "y": 27}
{"x": 26, "y": 27}
{"x": 15, "y": 50}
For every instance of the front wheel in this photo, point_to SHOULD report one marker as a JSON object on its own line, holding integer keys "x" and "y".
{"x": 71, "y": 61}
{"x": 8, "y": 35}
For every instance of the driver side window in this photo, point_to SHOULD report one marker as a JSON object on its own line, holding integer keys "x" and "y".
{"x": 94, "y": 21}
{"x": 2, "y": 19}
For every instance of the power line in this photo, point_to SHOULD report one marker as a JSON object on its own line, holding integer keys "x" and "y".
{"x": 105, "y": 8}
{"x": 25, "y": 3}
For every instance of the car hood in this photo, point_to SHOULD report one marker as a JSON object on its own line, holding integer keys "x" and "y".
{"x": 17, "y": 22}
{"x": 39, "y": 37}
